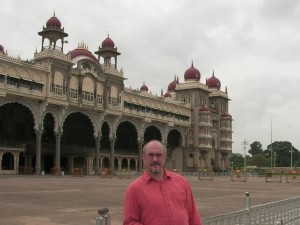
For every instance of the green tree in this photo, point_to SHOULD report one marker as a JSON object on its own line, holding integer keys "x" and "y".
{"x": 237, "y": 159}
{"x": 282, "y": 153}
{"x": 255, "y": 148}
{"x": 258, "y": 160}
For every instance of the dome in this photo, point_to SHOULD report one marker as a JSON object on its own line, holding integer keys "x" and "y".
{"x": 81, "y": 50}
{"x": 144, "y": 88}
{"x": 108, "y": 43}
{"x": 225, "y": 115}
{"x": 53, "y": 22}
{"x": 192, "y": 74}
{"x": 204, "y": 109}
{"x": 172, "y": 85}
{"x": 213, "y": 82}
{"x": 167, "y": 95}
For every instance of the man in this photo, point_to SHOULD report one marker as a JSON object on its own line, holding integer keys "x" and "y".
{"x": 159, "y": 197}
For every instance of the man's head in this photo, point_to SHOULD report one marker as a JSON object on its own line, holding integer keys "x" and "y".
{"x": 154, "y": 157}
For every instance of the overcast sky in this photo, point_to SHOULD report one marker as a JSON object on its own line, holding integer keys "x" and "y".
{"x": 253, "y": 47}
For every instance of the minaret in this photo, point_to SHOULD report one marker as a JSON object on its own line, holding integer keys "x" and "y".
{"x": 108, "y": 51}
{"x": 53, "y": 32}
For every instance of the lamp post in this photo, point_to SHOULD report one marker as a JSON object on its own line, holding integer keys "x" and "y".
{"x": 291, "y": 151}
{"x": 245, "y": 143}
{"x": 275, "y": 159}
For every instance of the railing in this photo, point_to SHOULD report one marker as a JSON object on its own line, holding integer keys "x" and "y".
{"x": 284, "y": 212}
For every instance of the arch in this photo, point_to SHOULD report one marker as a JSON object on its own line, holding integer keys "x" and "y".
{"x": 105, "y": 134}
{"x": 124, "y": 164}
{"x": 8, "y": 161}
{"x": 152, "y": 132}
{"x": 132, "y": 164}
{"x": 17, "y": 122}
{"x": 34, "y": 114}
{"x": 174, "y": 138}
{"x": 116, "y": 163}
{"x": 105, "y": 163}
{"x": 77, "y": 130}
{"x": 93, "y": 122}
{"x": 122, "y": 121}
{"x": 126, "y": 138}
{"x": 79, "y": 162}
{"x": 56, "y": 128}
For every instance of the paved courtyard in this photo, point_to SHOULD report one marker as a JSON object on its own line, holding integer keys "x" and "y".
{"x": 68, "y": 200}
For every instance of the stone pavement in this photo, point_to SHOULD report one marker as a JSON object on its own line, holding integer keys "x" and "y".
{"x": 68, "y": 200}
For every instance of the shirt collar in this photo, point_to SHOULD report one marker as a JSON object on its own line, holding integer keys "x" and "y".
{"x": 146, "y": 178}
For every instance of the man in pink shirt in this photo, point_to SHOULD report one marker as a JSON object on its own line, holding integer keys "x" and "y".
{"x": 159, "y": 197}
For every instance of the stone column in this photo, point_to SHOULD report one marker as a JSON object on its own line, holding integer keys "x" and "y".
{"x": 97, "y": 140}
{"x": 57, "y": 151}
{"x": 140, "y": 156}
{"x": 38, "y": 152}
{"x": 112, "y": 154}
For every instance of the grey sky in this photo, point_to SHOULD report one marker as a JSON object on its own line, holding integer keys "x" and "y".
{"x": 253, "y": 46}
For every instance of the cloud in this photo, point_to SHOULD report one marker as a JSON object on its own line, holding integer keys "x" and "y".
{"x": 252, "y": 46}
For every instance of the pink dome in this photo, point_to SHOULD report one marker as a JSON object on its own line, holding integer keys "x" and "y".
{"x": 172, "y": 85}
{"x": 108, "y": 43}
{"x": 167, "y": 95}
{"x": 144, "y": 88}
{"x": 225, "y": 115}
{"x": 192, "y": 74}
{"x": 213, "y": 82}
{"x": 204, "y": 109}
{"x": 82, "y": 52}
{"x": 53, "y": 22}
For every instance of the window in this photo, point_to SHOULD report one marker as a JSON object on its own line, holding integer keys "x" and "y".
{"x": 89, "y": 96}
{"x": 99, "y": 98}
{"x": 2, "y": 78}
{"x": 57, "y": 89}
{"x": 73, "y": 93}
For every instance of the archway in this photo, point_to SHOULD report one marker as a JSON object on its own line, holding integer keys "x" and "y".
{"x": 152, "y": 133}
{"x": 7, "y": 161}
{"x": 126, "y": 142}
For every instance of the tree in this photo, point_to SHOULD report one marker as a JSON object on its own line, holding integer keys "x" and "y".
{"x": 255, "y": 148}
{"x": 237, "y": 159}
{"x": 281, "y": 150}
{"x": 258, "y": 160}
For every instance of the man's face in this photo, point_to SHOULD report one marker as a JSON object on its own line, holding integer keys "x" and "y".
{"x": 154, "y": 157}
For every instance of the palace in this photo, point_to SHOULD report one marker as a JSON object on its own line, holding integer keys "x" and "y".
{"x": 69, "y": 111}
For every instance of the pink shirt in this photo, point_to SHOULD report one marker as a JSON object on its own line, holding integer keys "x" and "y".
{"x": 167, "y": 202}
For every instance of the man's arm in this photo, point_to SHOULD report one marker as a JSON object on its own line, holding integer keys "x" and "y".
{"x": 132, "y": 211}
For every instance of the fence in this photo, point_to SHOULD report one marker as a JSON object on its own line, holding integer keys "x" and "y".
{"x": 284, "y": 212}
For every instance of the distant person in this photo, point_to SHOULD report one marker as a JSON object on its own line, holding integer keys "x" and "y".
{"x": 159, "y": 197}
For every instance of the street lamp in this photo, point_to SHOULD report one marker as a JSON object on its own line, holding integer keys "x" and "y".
{"x": 291, "y": 151}
{"x": 245, "y": 143}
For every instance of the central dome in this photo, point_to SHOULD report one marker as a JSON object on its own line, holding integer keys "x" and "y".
{"x": 82, "y": 50}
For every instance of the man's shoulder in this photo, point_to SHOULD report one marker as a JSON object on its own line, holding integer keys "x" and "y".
{"x": 136, "y": 183}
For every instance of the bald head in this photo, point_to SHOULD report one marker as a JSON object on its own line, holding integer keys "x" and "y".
{"x": 154, "y": 144}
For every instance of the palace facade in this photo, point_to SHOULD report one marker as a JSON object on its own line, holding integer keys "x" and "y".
{"x": 67, "y": 111}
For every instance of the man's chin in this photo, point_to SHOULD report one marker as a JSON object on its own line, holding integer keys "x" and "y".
{"x": 155, "y": 171}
